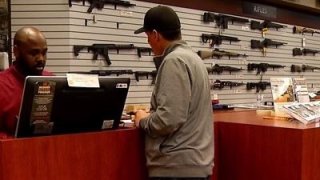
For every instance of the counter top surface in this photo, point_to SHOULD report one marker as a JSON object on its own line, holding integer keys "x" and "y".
{"x": 252, "y": 118}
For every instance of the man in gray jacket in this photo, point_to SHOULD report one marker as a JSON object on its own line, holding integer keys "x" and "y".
{"x": 179, "y": 126}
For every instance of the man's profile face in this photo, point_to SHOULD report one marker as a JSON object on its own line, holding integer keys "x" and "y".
{"x": 32, "y": 54}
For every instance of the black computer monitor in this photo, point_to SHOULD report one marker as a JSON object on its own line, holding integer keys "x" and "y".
{"x": 49, "y": 106}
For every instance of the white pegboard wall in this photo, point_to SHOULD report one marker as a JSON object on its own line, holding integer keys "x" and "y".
{"x": 66, "y": 26}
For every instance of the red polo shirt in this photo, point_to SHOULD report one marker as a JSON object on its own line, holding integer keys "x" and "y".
{"x": 11, "y": 88}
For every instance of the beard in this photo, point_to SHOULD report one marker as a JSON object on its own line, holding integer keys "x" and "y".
{"x": 30, "y": 69}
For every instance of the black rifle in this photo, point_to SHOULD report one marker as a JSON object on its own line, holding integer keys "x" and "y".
{"x": 307, "y": 67}
{"x": 218, "y": 53}
{"x": 222, "y": 20}
{"x": 153, "y": 74}
{"x": 103, "y": 49}
{"x": 143, "y": 49}
{"x": 219, "y": 69}
{"x": 302, "y": 30}
{"x": 262, "y": 85}
{"x": 218, "y": 84}
{"x": 309, "y": 51}
{"x": 295, "y": 68}
{"x": 263, "y": 67}
{"x": 305, "y": 51}
{"x": 265, "y": 43}
{"x": 265, "y": 25}
{"x": 78, "y": 48}
{"x": 215, "y": 39}
{"x": 99, "y": 4}
{"x": 111, "y": 72}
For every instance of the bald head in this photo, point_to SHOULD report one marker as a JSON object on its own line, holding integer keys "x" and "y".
{"x": 26, "y": 34}
{"x": 30, "y": 50}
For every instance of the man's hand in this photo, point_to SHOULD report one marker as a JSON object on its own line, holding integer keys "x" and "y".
{"x": 139, "y": 115}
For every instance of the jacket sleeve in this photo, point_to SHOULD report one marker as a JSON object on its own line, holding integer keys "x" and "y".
{"x": 173, "y": 94}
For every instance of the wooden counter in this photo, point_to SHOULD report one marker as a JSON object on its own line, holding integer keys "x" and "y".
{"x": 249, "y": 147}
{"x": 108, "y": 155}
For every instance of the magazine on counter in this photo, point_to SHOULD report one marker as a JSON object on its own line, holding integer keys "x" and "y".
{"x": 282, "y": 93}
{"x": 304, "y": 112}
{"x": 301, "y": 90}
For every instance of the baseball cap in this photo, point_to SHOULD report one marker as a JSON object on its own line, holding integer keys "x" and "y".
{"x": 160, "y": 18}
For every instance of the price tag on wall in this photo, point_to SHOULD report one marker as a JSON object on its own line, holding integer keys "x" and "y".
{"x": 303, "y": 42}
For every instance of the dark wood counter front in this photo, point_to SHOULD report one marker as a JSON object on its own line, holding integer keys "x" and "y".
{"x": 249, "y": 147}
{"x": 108, "y": 155}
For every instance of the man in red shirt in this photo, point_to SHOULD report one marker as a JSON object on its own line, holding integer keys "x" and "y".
{"x": 30, "y": 51}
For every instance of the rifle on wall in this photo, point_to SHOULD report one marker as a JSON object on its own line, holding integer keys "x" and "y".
{"x": 305, "y": 51}
{"x": 255, "y": 44}
{"x": 153, "y": 74}
{"x": 222, "y": 20}
{"x": 101, "y": 49}
{"x": 218, "y": 54}
{"x": 111, "y": 72}
{"x": 215, "y": 39}
{"x": 218, "y": 84}
{"x": 99, "y": 4}
{"x": 259, "y": 86}
{"x": 78, "y": 48}
{"x": 263, "y": 67}
{"x": 219, "y": 69}
{"x": 265, "y": 25}
{"x": 303, "y": 68}
{"x": 302, "y": 30}
{"x": 309, "y": 68}
{"x": 141, "y": 50}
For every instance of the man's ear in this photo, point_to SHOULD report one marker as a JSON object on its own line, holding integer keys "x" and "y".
{"x": 156, "y": 34}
